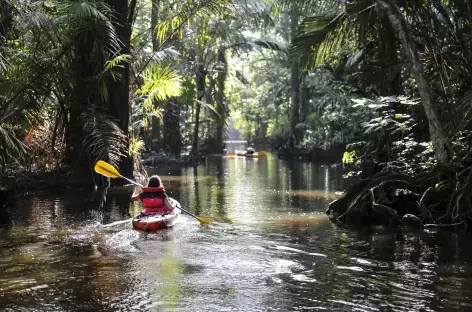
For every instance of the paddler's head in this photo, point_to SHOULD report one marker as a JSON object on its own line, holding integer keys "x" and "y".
{"x": 154, "y": 181}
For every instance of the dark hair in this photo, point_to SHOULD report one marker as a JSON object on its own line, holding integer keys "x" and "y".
{"x": 154, "y": 181}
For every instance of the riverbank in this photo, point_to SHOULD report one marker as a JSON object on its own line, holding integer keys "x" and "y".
{"x": 162, "y": 159}
{"x": 333, "y": 154}
{"x": 23, "y": 183}
{"x": 17, "y": 181}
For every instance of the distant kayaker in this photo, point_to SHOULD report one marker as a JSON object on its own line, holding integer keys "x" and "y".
{"x": 154, "y": 197}
{"x": 250, "y": 151}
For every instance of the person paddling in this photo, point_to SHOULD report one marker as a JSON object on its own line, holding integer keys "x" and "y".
{"x": 153, "y": 197}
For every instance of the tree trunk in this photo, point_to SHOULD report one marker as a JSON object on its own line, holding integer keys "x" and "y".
{"x": 387, "y": 47}
{"x": 156, "y": 122}
{"x": 172, "y": 134}
{"x": 74, "y": 137}
{"x": 119, "y": 100}
{"x": 6, "y": 19}
{"x": 304, "y": 98}
{"x": 441, "y": 144}
{"x": 220, "y": 99}
{"x": 294, "y": 79}
{"x": 200, "y": 82}
{"x": 83, "y": 67}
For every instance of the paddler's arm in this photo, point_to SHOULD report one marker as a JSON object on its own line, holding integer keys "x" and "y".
{"x": 168, "y": 204}
{"x": 136, "y": 193}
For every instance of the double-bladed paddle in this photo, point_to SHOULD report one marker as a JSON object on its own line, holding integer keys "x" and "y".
{"x": 109, "y": 171}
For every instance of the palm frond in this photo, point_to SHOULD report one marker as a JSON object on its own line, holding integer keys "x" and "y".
{"x": 270, "y": 45}
{"x": 11, "y": 148}
{"x": 205, "y": 8}
{"x": 160, "y": 83}
{"x": 312, "y": 7}
{"x": 143, "y": 59}
{"x": 319, "y": 36}
{"x": 211, "y": 108}
{"x": 275, "y": 91}
{"x": 135, "y": 146}
{"x": 33, "y": 20}
{"x": 103, "y": 138}
{"x": 115, "y": 62}
{"x": 464, "y": 108}
{"x": 3, "y": 62}
{"x": 322, "y": 36}
{"x": 85, "y": 17}
{"x": 80, "y": 10}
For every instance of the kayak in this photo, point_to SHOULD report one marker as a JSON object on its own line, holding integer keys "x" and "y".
{"x": 255, "y": 155}
{"x": 155, "y": 222}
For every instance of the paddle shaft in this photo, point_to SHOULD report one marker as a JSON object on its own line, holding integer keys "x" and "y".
{"x": 190, "y": 214}
{"x": 131, "y": 181}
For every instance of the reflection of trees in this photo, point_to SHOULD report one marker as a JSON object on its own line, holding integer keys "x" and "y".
{"x": 108, "y": 275}
{"x": 250, "y": 184}
{"x": 198, "y": 208}
{"x": 405, "y": 270}
{"x": 171, "y": 274}
{"x": 161, "y": 275}
{"x": 294, "y": 182}
{"x": 4, "y": 217}
{"x": 57, "y": 269}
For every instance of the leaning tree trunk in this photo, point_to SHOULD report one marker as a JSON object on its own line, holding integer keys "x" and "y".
{"x": 295, "y": 79}
{"x": 220, "y": 98}
{"x": 441, "y": 144}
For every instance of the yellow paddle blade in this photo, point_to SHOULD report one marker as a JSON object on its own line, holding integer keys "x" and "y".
{"x": 262, "y": 153}
{"x": 106, "y": 169}
{"x": 205, "y": 219}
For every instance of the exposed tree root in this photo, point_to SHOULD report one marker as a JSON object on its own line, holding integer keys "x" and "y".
{"x": 441, "y": 198}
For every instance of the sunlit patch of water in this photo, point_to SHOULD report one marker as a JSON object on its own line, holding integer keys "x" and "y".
{"x": 314, "y": 194}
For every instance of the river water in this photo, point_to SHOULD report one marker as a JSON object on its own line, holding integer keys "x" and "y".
{"x": 273, "y": 249}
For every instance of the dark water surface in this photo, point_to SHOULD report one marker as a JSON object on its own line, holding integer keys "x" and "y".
{"x": 274, "y": 250}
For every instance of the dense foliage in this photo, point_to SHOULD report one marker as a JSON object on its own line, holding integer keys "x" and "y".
{"x": 387, "y": 80}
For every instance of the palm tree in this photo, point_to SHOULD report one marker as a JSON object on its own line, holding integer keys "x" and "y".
{"x": 322, "y": 35}
{"x": 297, "y": 10}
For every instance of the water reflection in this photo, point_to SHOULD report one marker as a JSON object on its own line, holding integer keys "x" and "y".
{"x": 275, "y": 251}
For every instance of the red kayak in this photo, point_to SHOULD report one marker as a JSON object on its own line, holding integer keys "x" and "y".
{"x": 155, "y": 222}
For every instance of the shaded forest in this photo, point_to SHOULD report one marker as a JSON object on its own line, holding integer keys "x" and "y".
{"x": 385, "y": 82}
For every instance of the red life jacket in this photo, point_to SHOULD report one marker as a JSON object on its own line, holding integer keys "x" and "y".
{"x": 153, "y": 200}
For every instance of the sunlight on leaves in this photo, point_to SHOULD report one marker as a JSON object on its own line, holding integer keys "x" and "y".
{"x": 160, "y": 83}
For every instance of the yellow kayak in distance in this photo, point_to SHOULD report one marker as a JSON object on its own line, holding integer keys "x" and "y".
{"x": 260, "y": 154}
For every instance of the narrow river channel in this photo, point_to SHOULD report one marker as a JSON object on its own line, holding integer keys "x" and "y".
{"x": 273, "y": 250}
